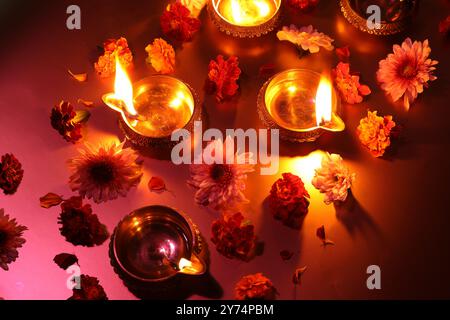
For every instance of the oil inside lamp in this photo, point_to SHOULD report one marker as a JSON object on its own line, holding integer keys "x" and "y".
{"x": 245, "y": 18}
{"x": 155, "y": 107}
{"x": 301, "y": 103}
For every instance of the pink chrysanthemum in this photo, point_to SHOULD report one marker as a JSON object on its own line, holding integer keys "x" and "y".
{"x": 406, "y": 71}
{"x": 105, "y": 172}
{"x": 220, "y": 185}
{"x": 10, "y": 239}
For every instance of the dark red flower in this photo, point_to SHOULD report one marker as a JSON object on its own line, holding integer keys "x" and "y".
{"x": 90, "y": 290}
{"x": 288, "y": 200}
{"x": 222, "y": 77}
{"x": 233, "y": 237}
{"x": 11, "y": 173}
{"x": 444, "y": 26}
{"x": 65, "y": 260}
{"x": 63, "y": 120}
{"x": 79, "y": 225}
{"x": 302, "y": 5}
{"x": 255, "y": 287}
{"x": 177, "y": 23}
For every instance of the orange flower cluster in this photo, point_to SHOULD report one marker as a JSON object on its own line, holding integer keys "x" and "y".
{"x": 375, "y": 133}
{"x": 161, "y": 56}
{"x": 106, "y": 64}
{"x": 255, "y": 287}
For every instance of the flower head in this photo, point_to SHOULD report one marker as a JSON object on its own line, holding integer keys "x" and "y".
{"x": 90, "y": 289}
{"x": 406, "y": 71}
{"x": 303, "y": 5}
{"x": 220, "y": 184}
{"x": 79, "y": 225}
{"x": 306, "y": 38}
{"x": 233, "y": 237}
{"x": 255, "y": 287}
{"x": 375, "y": 132}
{"x": 11, "y": 173}
{"x": 289, "y": 200}
{"x": 333, "y": 178}
{"x": 106, "y": 64}
{"x": 161, "y": 56}
{"x": 348, "y": 85}
{"x": 177, "y": 23}
{"x": 105, "y": 172}
{"x": 222, "y": 77}
{"x": 63, "y": 119}
{"x": 10, "y": 239}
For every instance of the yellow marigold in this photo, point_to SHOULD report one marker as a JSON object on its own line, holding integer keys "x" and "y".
{"x": 374, "y": 132}
{"x": 106, "y": 64}
{"x": 161, "y": 56}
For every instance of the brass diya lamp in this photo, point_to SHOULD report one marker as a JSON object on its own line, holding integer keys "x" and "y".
{"x": 302, "y": 104}
{"x": 157, "y": 243}
{"x": 152, "y": 108}
{"x": 395, "y": 14}
{"x": 245, "y": 18}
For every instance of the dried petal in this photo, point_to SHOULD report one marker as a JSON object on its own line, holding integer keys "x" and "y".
{"x": 65, "y": 260}
{"x": 50, "y": 200}
{"x": 321, "y": 233}
{"x": 157, "y": 184}
{"x": 86, "y": 103}
{"x": 296, "y": 278}
{"x": 80, "y": 77}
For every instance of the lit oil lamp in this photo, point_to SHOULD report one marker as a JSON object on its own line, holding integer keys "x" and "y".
{"x": 301, "y": 103}
{"x": 153, "y": 108}
{"x": 156, "y": 243}
{"x": 245, "y": 18}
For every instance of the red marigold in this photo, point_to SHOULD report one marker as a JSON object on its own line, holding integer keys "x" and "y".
{"x": 90, "y": 290}
{"x": 255, "y": 287}
{"x": 79, "y": 225}
{"x": 222, "y": 77}
{"x": 288, "y": 200}
{"x": 62, "y": 120}
{"x": 106, "y": 64}
{"x": 11, "y": 173}
{"x": 176, "y": 22}
{"x": 303, "y": 5}
{"x": 233, "y": 237}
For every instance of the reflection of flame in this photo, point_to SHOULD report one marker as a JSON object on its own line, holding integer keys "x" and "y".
{"x": 246, "y": 11}
{"x": 305, "y": 167}
{"x": 323, "y": 101}
{"x": 123, "y": 89}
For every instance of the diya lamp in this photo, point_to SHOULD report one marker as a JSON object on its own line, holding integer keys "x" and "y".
{"x": 157, "y": 243}
{"x": 245, "y": 18}
{"x": 302, "y": 104}
{"x": 152, "y": 108}
{"x": 395, "y": 15}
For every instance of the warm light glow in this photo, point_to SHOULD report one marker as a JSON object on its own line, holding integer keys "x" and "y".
{"x": 292, "y": 89}
{"x": 123, "y": 89}
{"x": 184, "y": 263}
{"x": 304, "y": 167}
{"x": 194, "y": 267}
{"x": 248, "y": 12}
{"x": 324, "y": 101}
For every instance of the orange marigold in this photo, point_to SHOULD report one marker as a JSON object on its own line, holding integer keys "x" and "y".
{"x": 106, "y": 64}
{"x": 375, "y": 132}
{"x": 255, "y": 287}
{"x": 161, "y": 56}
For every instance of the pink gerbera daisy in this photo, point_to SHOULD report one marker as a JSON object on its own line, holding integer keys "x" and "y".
{"x": 406, "y": 71}
{"x": 105, "y": 172}
{"x": 220, "y": 185}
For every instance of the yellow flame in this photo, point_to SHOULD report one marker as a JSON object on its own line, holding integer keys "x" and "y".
{"x": 324, "y": 101}
{"x": 245, "y": 12}
{"x": 123, "y": 89}
{"x": 184, "y": 263}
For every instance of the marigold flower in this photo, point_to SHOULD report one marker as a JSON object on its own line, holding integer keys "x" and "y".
{"x": 11, "y": 173}
{"x": 90, "y": 289}
{"x": 222, "y": 77}
{"x": 64, "y": 120}
{"x": 348, "y": 85}
{"x": 161, "y": 56}
{"x": 177, "y": 23}
{"x": 255, "y": 287}
{"x": 106, "y": 64}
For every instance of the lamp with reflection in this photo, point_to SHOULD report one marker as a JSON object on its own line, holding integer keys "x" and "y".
{"x": 245, "y": 18}
{"x": 300, "y": 103}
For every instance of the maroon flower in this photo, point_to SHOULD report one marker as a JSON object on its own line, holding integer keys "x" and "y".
{"x": 288, "y": 200}
{"x": 222, "y": 77}
{"x": 255, "y": 287}
{"x": 302, "y": 5}
{"x": 233, "y": 237}
{"x": 177, "y": 23}
{"x": 63, "y": 120}
{"x": 11, "y": 173}
{"x": 90, "y": 290}
{"x": 79, "y": 225}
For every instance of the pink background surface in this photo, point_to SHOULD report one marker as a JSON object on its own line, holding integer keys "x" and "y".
{"x": 400, "y": 222}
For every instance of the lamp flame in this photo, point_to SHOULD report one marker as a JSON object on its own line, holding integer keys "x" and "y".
{"x": 123, "y": 89}
{"x": 324, "y": 101}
